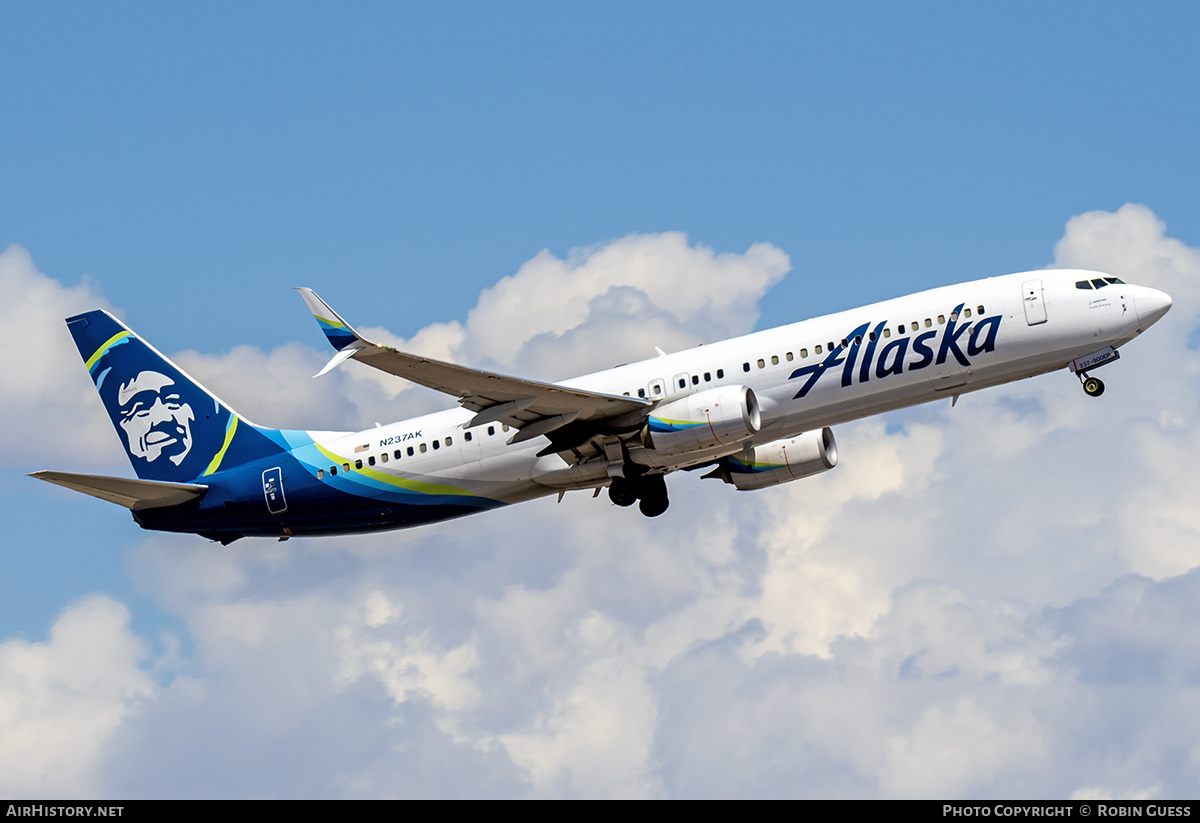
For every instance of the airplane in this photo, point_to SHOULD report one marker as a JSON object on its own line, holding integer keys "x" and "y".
{"x": 755, "y": 410}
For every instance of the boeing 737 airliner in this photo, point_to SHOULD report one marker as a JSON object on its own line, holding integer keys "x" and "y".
{"x": 756, "y": 410}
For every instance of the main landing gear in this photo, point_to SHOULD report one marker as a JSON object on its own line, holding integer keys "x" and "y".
{"x": 650, "y": 492}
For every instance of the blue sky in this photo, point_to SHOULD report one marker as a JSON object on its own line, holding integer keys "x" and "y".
{"x": 186, "y": 167}
{"x": 413, "y": 143}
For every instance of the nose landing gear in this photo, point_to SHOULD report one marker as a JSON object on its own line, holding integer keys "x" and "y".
{"x": 1092, "y": 386}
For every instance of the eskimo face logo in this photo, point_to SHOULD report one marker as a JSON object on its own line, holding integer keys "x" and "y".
{"x": 154, "y": 418}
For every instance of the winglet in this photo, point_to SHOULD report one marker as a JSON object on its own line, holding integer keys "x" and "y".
{"x": 341, "y": 334}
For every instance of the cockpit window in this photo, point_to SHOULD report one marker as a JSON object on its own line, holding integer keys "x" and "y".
{"x": 1099, "y": 283}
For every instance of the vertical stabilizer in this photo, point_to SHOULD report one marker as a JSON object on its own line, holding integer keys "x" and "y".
{"x": 172, "y": 428}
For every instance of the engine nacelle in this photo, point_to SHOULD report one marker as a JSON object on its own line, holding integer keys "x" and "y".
{"x": 779, "y": 461}
{"x": 705, "y": 420}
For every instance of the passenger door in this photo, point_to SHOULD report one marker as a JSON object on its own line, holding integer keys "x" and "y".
{"x": 1035, "y": 305}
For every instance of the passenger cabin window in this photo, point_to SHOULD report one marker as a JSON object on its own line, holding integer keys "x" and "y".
{"x": 762, "y": 364}
{"x": 788, "y": 357}
{"x": 436, "y": 445}
{"x": 397, "y": 453}
{"x": 641, "y": 392}
{"x": 720, "y": 374}
{"x": 332, "y": 470}
{"x": 320, "y": 474}
{"x": 423, "y": 448}
{"x": 745, "y": 367}
{"x": 410, "y": 451}
{"x": 695, "y": 380}
{"x": 371, "y": 460}
{"x": 467, "y": 436}
{"x": 803, "y": 353}
{"x": 774, "y": 360}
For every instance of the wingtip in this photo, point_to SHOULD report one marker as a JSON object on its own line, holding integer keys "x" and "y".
{"x": 340, "y": 334}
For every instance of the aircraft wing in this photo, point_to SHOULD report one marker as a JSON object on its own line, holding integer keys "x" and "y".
{"x": 534, "y": 408}
{"x": 124, "y": 491}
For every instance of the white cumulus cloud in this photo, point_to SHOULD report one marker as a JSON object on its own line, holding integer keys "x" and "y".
{"x": 995, "y": 599}
{"x": 62, "y": 699}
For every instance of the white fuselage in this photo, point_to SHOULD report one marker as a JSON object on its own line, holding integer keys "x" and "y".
{"x": 1004, "y": 328}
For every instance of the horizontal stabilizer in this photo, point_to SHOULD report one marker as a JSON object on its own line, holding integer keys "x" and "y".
{"x": 124, "y": 491}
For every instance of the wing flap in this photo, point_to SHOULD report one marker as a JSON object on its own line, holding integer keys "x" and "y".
{"x": 132, "y": 494}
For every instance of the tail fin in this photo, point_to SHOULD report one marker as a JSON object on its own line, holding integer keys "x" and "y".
{"x": 173, "y": 428}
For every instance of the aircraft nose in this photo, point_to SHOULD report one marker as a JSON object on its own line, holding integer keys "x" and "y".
{"x": 1151, "y": 304}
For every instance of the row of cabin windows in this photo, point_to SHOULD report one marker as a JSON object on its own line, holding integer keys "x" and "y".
{"x": 915, "y": 325}
{"x": 902, "y": 328}
{"x": 696, "y": 379}
{"x": 420, "y": 448}
{"x": 656, "y": 386}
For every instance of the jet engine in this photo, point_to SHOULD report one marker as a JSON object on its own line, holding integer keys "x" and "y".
{"x": 779, "y": 461}
{"x": 705, "y": 420}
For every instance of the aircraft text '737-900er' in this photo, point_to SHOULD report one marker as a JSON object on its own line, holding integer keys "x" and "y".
{"x": 756, "y": 410}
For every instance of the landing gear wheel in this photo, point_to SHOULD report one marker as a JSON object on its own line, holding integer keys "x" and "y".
{"x": 1093, "y": 387}
{"x": 653, "y": 506}
{"x": 621, "y": 492}
{"x": 653, "y": 494}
